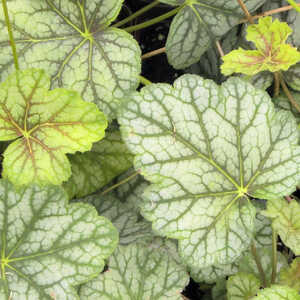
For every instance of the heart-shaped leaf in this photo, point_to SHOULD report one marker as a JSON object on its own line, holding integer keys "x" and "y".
{"x": 198, "y": 25}
{"x": 47, "y": 246}
{"x": 94, "y": 169}
{"x": 46, "y": 125}
{"x": 72, "y": 40}
{"x": 138, "y": 271}
{"x": 206, "y": 148}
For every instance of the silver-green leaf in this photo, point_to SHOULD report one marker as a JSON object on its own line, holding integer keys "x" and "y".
{"x": 206, "y": 148}
{"x": 47, "y": 246}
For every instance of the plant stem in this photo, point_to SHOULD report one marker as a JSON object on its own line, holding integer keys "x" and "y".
{"x": 136, "y": 14}
{"x": 154, "y": 52}
{"x": 288, "y": 93}
{"x": 246, "y": 11}
{"x": 120, "y": 183}
{"x": 144, "y": 80}
{"x": 259, "y": 266}
{"x": 10, "y": 34}
{"x": 270, "y": 12}
{"x": 154, "y": 20}
{"x": 294, "y": 5}
{"x": 219, "y": 47}
{"x": 276, "y": 84}
{"x": 274, "y": 255}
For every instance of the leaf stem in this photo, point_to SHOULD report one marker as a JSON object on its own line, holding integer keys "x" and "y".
{"x": 120, "y": 183}
{"x": 10, "y": 34}
{"x": 246, "y": 11}
{"x": 276, "y": 84}
{"x": 288, "y": 93}
{"x": 294, "y": 5}
{"x": 136, "y": 14}
{"x": 154, "y": 20}
{"x": 259, "y": 265}
{"x": 219, "y": 48}
{"x": 154, "y": 52}
{"x": 145, "y": 81}
{"x": 274, "y": 255}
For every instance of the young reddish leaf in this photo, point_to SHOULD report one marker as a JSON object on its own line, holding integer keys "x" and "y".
{"x": 46, "y": 124}
{"x": 272, "y": 53}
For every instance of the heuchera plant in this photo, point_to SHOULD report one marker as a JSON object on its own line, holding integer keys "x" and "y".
{"x": 167, "y": 183}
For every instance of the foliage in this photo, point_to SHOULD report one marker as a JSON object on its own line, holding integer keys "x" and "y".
{"x": 191, "y": 180}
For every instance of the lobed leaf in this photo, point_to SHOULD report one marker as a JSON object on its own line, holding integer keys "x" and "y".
{"x": 206, "y": 148}
{"x": 47, "y": 246}
{"x": 45, "y": 126}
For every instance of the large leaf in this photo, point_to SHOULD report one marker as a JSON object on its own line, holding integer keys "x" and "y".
{"x": 96, "y": 168}
{"x": 72, "y": 41}
{"x": 277, "y": 292}
{"x": 47, "y": 246}
{"x": 45, "y": 126}
{"x": 206, "y": 148}
{"x": 138, "y": 271}
{"x": 290, "y": 275}
{"x": 286, "y": 221}
{"x": 198, "y": 24}
{"x": 242, "y": 286}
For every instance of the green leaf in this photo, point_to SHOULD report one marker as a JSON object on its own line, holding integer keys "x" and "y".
{"x": 219, "y": 291}
{"x": 72, "y": 40}
{"x": 96, "y": 168}
{"x": 272, "y": 53}
{"x": 198, "y": 25}
{"x": 138, "y": 271}
{"x": 292, "y": 77}
{"x": 286, "y": 221}
{"x": 206, "y": 148}
{"x": 242, "y": 286}
{"x": 47, "y": 246}
{"x": 247, "y": 263}
{"x": 290, "y": 276}
{"x": 277, "y": 292}
{"x": 45, "y": 126}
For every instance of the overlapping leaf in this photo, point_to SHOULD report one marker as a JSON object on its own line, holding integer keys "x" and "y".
{"x": 198, "y": 25}
{"x": 286, "y": 221}
{"x": 45, "y": 125}
{"x": 96, "y": 168}
{"x": 277, "y": 292}
{"x": 272, "y": 53}
{"x": 72, "y": 41}
{"x": 138, "y": 271}
{"x": 206, "y": 148}
{"x": 242, "y": 286}
{"x": 290, "y": 276}
{"x": 48, "y": 247}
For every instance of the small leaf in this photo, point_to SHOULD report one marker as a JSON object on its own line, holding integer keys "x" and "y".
{"x": 47, "y": 246}
{"x": 290, "y": 276}
{"x": 205, "y": 148}
{"x": 272, "y": 53}
{"x": 286, "y": 221}
{"x": 96, "y": 168}
{"x": 198, "y": 25}
{"x": 242, "y": 286}
{"x": 277, "y": 292}
{"x": 72, "y": 40}
{"x": 46, "y": 126}
{"x": 247, "y": 263}
{"x": 138, "y": 271}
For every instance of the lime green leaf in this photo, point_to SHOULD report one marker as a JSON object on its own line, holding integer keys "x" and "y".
{"x": 286, "y": 221}
{"x": 47, "y": 125}
{"x": 138, "y": 271}
{"x": 247, "y": 263}
{"x": 206, "y": 148}
{"x": 47, "y": 246}
{"x": 96, "y": 168}
{"x": 198, "y": 24}
{"x": 272, "y": 53}
{"x": 72, "y": 41}
{"x": 290, "y": 276}
{"x": 242, "y": 286}
{"x": 277, "y": 292}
